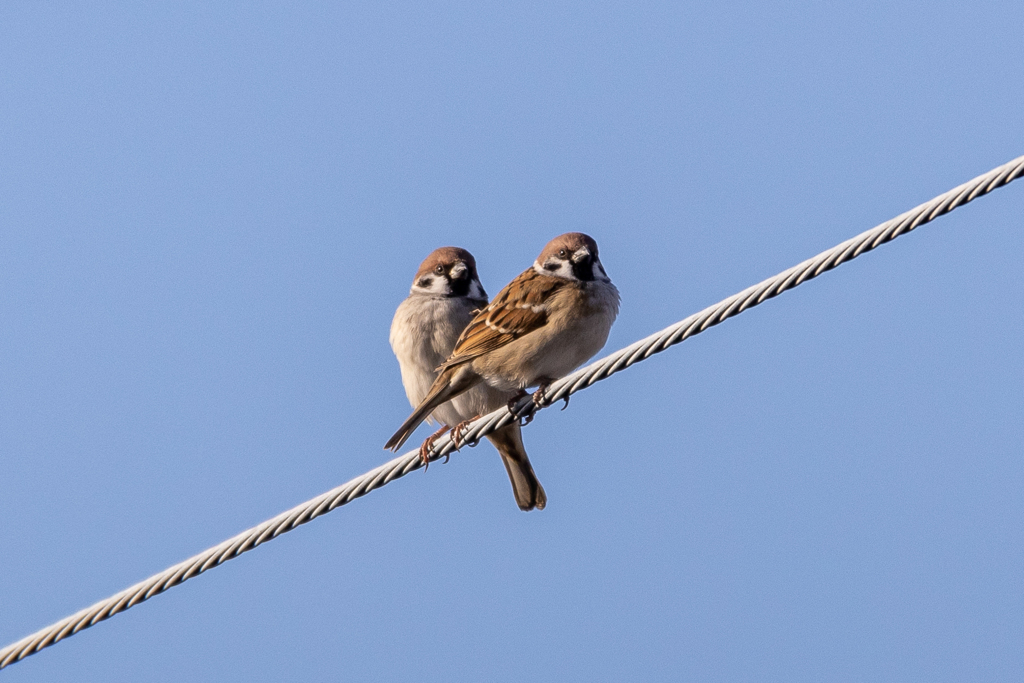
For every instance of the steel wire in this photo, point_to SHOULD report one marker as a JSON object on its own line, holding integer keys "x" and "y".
{"x": 561, "y": 389}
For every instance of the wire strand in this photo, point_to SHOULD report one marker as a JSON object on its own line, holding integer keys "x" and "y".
{"x": 561, "y": 389}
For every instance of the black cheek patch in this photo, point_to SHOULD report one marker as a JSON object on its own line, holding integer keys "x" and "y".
{"x": 551, "y": 266}
{"x": 425, "y": 282}
{"x": 583, "y": 271}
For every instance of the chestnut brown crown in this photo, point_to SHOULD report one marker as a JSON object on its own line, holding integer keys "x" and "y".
{"x": 449, "y": 272}
{"x": 446, "y": 257}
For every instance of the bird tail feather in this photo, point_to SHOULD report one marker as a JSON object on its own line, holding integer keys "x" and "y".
{"x": 526, "y": 487}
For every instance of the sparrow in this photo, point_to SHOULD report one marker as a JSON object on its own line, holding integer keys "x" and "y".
{"x": 445, "y": 295}
{"x": 543, "y": 325}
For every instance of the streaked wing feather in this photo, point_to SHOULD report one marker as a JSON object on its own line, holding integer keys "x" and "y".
{"x": 517, "y": 310}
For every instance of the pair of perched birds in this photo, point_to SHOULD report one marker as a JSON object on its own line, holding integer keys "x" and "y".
{"x": 462, "y": 357}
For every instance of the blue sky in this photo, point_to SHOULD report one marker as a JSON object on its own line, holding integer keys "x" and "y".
{"x": 209, "y": 211}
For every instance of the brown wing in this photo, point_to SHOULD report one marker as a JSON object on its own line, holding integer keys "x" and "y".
{"x": 517, "y": 310}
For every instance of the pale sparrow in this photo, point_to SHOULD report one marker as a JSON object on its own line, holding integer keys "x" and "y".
{"x": 445, "y": 295}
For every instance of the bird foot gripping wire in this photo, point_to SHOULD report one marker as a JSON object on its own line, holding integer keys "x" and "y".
{"x": 524, "y": 414}
{"x": 428, "y": 445}
{"x": 457, "y": 436}
{"x": 540, "y": 398}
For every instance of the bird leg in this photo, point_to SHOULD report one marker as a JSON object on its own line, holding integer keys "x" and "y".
{"x": 514, "y": 400}
{"x": 457, "y": 433}
{"x": 428, "y": 444}
{"x": 523, "y": 419}
{"x": 539, "y": 399}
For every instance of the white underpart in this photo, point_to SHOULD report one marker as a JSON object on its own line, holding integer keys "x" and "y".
{"x": 423, "y": 334}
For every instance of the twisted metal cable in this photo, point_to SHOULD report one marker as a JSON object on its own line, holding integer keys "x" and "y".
{"x": 752, "y": 296}
{"x": 562, "y": 389}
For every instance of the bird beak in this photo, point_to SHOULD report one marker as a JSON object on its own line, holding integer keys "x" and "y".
{"x": 459, "y": 271}
{"x": 581, "y": 255}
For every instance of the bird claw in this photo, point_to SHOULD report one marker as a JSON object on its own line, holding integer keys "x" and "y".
{"x": 428, "y": 445}
{"x": 457, "y": 435}
{"x": 539, "y": 399}
{"x": 528, "y": 412}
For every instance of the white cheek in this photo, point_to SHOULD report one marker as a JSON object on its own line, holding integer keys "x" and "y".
{"x": 476, "y": 291}
{"x": 564, "y": 269}
{"x": 438, "y": 285}
{"x": 599, "y": 273}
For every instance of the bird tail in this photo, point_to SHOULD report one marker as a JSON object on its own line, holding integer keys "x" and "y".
{"x": 525, "y": 486}
{"x": 449, "y": 384}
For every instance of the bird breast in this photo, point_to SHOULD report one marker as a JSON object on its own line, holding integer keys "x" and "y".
{"x": 423, "y": 334}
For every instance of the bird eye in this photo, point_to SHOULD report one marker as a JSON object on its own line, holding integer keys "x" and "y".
{"x": 561, "y": 253}
{"x": 439, "y": 269}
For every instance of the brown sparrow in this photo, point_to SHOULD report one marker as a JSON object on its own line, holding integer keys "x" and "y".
{"x": 445, "y": 295}
{"x": 543, "y": 325}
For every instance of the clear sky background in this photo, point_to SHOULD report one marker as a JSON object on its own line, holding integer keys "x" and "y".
{"x": 209, "y": 212}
